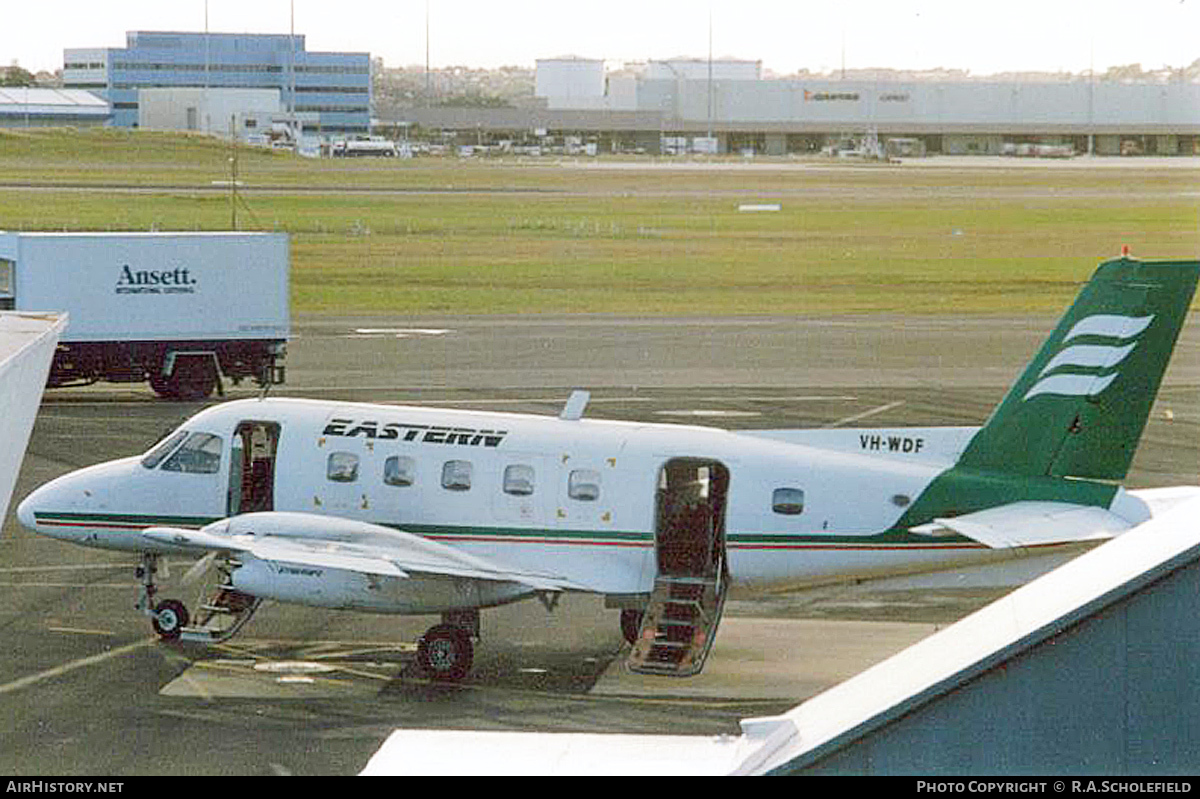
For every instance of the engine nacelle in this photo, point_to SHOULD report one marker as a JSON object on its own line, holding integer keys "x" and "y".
{"x": 343, "y": 589}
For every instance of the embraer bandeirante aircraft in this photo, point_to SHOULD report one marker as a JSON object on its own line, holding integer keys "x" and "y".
{"x": 409, "y": 510}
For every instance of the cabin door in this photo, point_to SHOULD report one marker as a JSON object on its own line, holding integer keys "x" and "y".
{"x": 680, "y": 621}
{"x": 252, "y": 468}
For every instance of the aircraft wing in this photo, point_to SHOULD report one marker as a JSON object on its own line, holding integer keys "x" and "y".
{"x": 328, "y": 556}
{"x": 331, "y": 543}
{"x": 1029, "y": 524}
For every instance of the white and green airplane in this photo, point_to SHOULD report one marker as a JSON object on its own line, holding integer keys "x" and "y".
{"x": 407, "y": 510}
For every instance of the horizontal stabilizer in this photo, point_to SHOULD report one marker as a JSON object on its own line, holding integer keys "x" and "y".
{"x": 1030, "y": 524}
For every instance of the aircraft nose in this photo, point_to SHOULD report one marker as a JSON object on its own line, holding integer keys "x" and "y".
{"x": 25, "y": 511}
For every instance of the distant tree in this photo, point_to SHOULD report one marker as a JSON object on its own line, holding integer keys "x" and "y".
{"x": 1128, "y": 73}
{"x": 471, "y": 100}
{"x": 16, "y": 76}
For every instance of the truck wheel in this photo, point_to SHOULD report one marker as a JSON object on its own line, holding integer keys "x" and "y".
{"x": 194, "y": 379}
{"x": 163, "y": 386}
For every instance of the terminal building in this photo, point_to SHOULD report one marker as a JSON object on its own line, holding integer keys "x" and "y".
{"x": 329, "y": 92}
{"x": 670, "y": 106}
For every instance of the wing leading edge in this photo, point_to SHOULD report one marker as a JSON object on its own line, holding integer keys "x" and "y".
{"x": 328, "y": 542}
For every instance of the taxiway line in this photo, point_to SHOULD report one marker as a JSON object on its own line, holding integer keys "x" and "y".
{"x": 74, "y": 665}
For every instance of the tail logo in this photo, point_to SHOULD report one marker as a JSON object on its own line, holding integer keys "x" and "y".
{"x": 1085, "y": 370}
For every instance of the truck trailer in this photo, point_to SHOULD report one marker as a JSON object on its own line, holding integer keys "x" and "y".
{"x": 181, "y": 311}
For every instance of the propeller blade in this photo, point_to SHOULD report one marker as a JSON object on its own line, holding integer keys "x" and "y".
{"x": 198, "y": 568}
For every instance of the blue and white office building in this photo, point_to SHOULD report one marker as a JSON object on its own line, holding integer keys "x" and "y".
{"x": 334, "y": 86}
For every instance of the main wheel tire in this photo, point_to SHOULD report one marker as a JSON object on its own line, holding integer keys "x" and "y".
{"x": 445, "y": 653}
{"x": 169, "y": 619}
{"x": 194, "y": 379}
{"x": 163, "y": 386}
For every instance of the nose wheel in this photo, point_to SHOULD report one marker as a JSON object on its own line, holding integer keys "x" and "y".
{"x": 169, "y": 618}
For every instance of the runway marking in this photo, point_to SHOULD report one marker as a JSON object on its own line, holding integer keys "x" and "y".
{"x": 707, "y": 414}
{"x": 396, "y": 332}
{"x": 75, "y": 665}
{"x": 865, "y": 414}
{"x": 198, "y": 689}
{"x": 561, "y": 398}
{"x": 75, "y": 567}
{"x": 79, "y": 631}
{"x": 93, "y": 436}
{"x": 14, "y": 584}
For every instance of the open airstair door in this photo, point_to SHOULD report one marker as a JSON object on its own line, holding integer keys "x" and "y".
{"x": 680, "y": 621}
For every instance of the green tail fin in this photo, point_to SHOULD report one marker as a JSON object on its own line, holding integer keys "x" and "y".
{"x": 1081, "y": 405}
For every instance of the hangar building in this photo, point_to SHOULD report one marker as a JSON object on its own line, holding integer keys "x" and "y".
{"x": 27, "y": 107}
{"x": 660, "y": 101}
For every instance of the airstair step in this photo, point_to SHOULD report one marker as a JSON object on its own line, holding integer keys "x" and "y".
{"x": 678, "y": 625}
{"x": 675, "y": 634}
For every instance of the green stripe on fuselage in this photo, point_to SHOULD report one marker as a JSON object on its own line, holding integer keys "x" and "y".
{"x": 516, "y": 535}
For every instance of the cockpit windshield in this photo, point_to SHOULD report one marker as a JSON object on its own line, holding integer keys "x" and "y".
{"x": 162, "y": 449}
{"x": 200, "y": 454}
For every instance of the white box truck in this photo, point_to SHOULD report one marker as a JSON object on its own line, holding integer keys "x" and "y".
{"x": 178, "y": 310}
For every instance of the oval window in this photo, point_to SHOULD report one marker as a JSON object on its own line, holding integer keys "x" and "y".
{"x": 518, "y": 480}
{"x": 456, "y": 476}
{"x": 584, "y": 485}
{"x": 788, "y": 501}
{"x": 399, "y": 470}
{"x": 342, "y": 467}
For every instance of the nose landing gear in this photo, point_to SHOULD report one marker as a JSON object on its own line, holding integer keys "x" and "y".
{"x": 221, "y": 615}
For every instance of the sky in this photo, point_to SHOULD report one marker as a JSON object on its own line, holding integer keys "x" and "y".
{"x": 981, "y": 37}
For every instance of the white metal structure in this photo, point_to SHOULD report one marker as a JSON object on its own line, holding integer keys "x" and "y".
{"x": 26, "y": 346}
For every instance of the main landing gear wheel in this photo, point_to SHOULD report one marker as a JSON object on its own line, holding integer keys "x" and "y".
{"x": 445, "y": 653}
{"x": 169, "y": 619}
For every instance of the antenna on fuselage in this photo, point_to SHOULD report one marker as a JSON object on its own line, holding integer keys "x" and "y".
{"x": 576, "y": 403}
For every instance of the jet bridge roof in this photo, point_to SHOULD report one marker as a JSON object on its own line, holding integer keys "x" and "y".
{"x": 1060, "y": 642}
{"x": 27, "y": 344}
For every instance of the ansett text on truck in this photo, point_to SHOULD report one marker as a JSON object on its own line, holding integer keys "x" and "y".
{"x": 155, "y": 281}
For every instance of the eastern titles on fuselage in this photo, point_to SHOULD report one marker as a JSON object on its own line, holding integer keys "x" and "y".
{"x": 422, "y": 433}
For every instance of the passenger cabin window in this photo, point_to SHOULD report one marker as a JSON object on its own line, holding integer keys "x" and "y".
{"x": 788, "y": 501}
{"x": 518, "y": 480}
{"x": 162, "y": 449}
{"x": 200, "y": 454}
{"x": 399, "y": 471}
{"x": 584, "y": 485}
{"x": 456, "y": 476}
{"x": 342, "y": 467}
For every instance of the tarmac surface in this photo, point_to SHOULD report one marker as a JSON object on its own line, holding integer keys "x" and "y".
{"x": 86, "y": 689}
